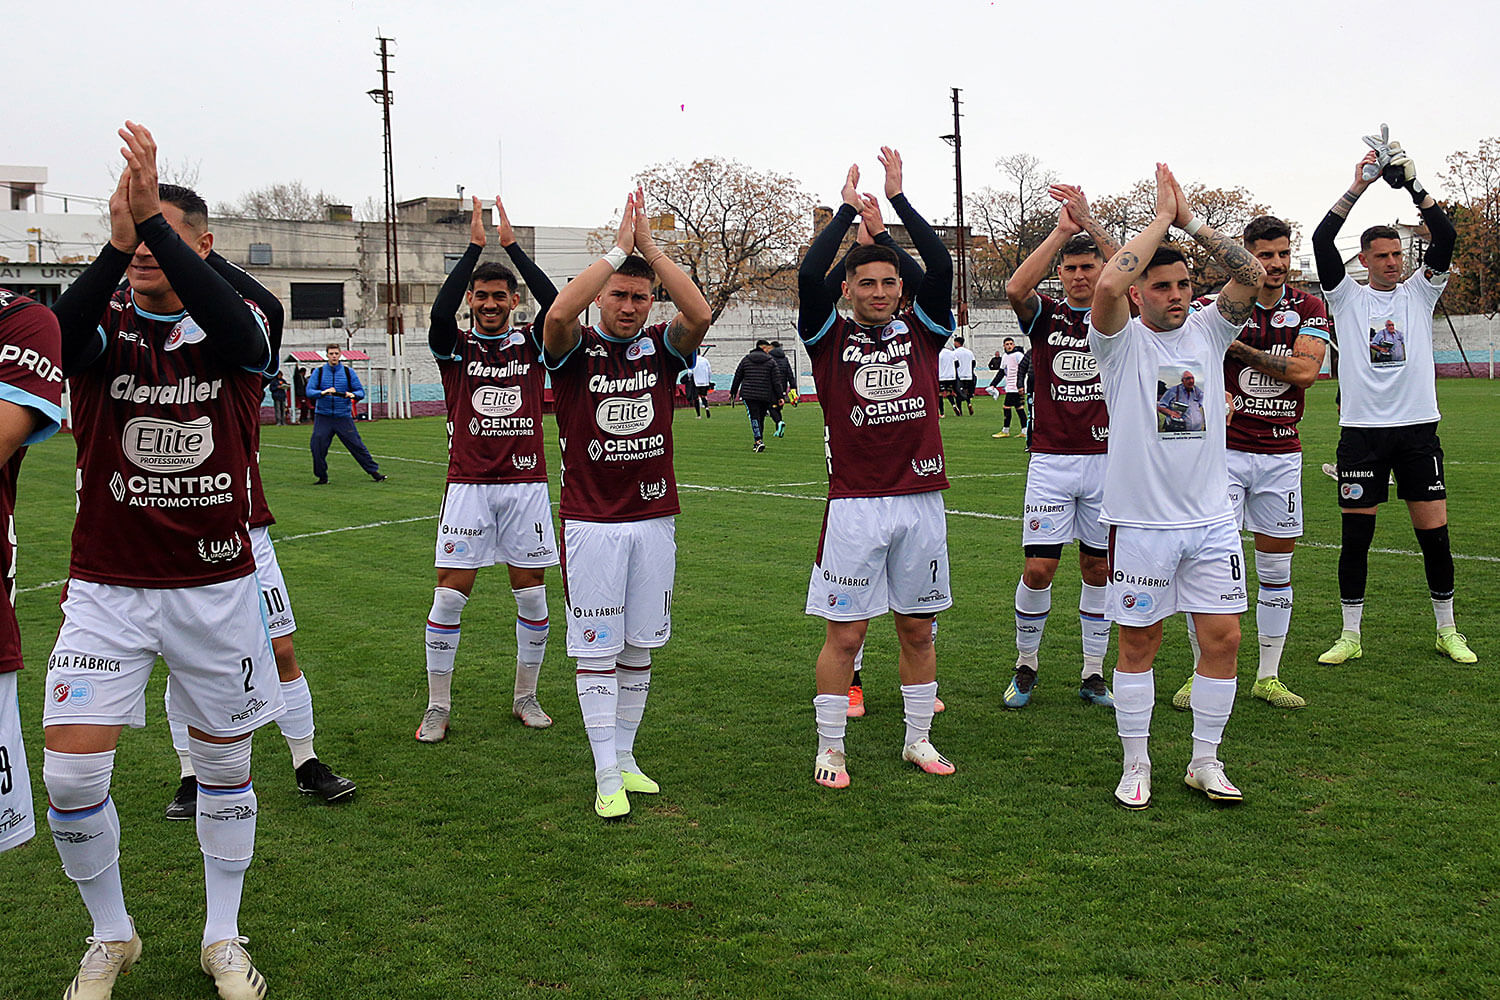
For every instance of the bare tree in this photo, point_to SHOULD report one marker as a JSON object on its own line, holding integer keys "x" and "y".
{"x": 733, "y": 228}
{"x": 1016, "y": 216}
{"x": 287, "y": 200}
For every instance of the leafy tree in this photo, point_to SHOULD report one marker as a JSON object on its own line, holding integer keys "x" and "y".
{"x": 1473, "y": 181}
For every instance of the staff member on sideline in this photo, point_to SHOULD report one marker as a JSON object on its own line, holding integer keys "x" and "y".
{"x": 332, "y": 388}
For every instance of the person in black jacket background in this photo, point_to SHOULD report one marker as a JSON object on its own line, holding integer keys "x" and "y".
{"x": 758, "y": 382}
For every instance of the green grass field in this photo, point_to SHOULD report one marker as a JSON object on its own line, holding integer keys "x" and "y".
{"x": 1364, "y": 861}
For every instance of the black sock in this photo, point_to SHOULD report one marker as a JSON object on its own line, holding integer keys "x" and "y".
{"x": 1437, "y": 559}
{"x": 1354, "y": 555}
{"x": 856, "y": 682}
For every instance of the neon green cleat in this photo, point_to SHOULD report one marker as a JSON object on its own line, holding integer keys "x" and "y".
{"x": 1452, "y": 644}
{"x": 612, "y": 806}
{"x": 635, "y": 780}
{"x": 1344, "y": 649}
{"x": 1270, "y": 689}
{"x": 1183, "y": 699}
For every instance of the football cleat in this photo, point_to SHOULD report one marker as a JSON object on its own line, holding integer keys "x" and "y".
{"x": 1002, "y": 434}
{"x": 937, "y": 705}
{"x": 184, "y": 804}
{"x": 1454, "y": 646}
{"x": 1345, "y": 648}
{"x": 781, "y": 428}
{"x": 614, "y": 804}
{"x": 1208, "y": 777}
{"x": 830, "y": 769}
{"x": 1134, "y": 789}
{"x": 1183, "y": 699}
{"x": 1018, "y": 692}
{"x": 101, "y": 965}
{"x": 1330, "y": 470}
{"x": 234, "y": 975}
{"x": 316, "y": 778}
{"x": 1093, "y": 689}
{"x": 758, "y": 447}
{"x": 635, "y": 780}
{"x": 529, "y": 711}
{"x": 923, "y": 754}
{"x": 1270, "y": 689}
{"x": 434, "y": 727}
{"x": 856, "y": 702}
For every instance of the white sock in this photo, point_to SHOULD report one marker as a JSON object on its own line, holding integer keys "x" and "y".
{"x": 1443, "y": 611}
{"x": 86, "y": 832}
{"x": 105, "y": 898}
{"x": 1213, "y": 700}
{"x": 297, "y": 722}
{"x": 532, "y": 628}
{"x": 442, "y": 643}
{"x": 598, "y": 699}
{"x": 179, "y": 745}
{"x": 918, "y": 700}
{"x": 1353, "y": 612}
{"x": 634, "y": 679}
{"x": 1095, "y": 628}
{"x": 1273, "y": 608}
{"x": 832, "y": 714}
{"x": 226, "y": 830}
{"x": 1135, "y": 696}
{"x": 1032, "y": 608}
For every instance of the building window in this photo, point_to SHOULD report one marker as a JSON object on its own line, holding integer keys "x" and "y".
{"x": 450, "y": 261}
{"x": 317, "y": 299}
{"x": 260, "y": 254}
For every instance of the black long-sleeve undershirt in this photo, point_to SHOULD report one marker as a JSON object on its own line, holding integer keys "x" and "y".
{"x": 442, "y": 330}
{"x": 911, "y": 271}
{"x": 79, "y": 307}
{"x": 935, "y": 294}
{"x": 248, "y": 287}
{"x": 1330, "y": 264}
{"x": 813, "y": 301}
{"x": 1444, "y": 238}
{"x": 1439, "y": 255}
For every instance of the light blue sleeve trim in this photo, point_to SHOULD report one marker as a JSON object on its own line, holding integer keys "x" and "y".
{"x": 927, "y": 321}
{"x": 547, "y": 360}
{"x": 271, "y": 365}
{"x": 833, "y": 315}
{"x": 53, "y": 412}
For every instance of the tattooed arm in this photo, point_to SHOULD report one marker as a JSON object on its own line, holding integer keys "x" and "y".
{"x": 1111, "y": 309}
{"x": 1300, "y": 368}
{"x": 1245, "y": 272}
{"x": 1330, "y": 264}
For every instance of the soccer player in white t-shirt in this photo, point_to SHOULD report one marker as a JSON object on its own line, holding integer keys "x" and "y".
{"x": 1173, "y": 541}
{"x": 1068, "y": 441}
{"x": 948, "y": 380}
{"x": 963, "y": 371}
{"x": 1015, "y": 392}
{"x": 1389, "y": 413}
{"x": 614, "y": 384}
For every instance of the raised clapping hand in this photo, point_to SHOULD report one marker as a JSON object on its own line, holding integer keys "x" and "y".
{"x": 645, "y": 243}
{"x": 140, "y": 154}
{"x": 1184, "y": 208}
{"x": 891, "y": 161}
{"x": 850, "y": 191}
{"x": 1166, "y": 194}
{"x": 870, "y": 222}
{"x": 503, "y": 230}
{"x": 1075, "y": 207}
{"x": 625, "y": 238}
{"x": 122, "y": 235}
{"x": 476, "y": 224}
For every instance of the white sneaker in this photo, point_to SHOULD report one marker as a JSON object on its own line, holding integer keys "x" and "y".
{"x": 529, "y": 711}
{"x": 830, "y": 769}
{"x": 434, "y": 726}
{"x": 923, "y": 754}
{"x": 229, "y": 963}
{"x": 1208, "y": 777}
{"x": 1134, "y": 789}
{"x": 102, "y": 964}
{"x": 1330, "y": 470}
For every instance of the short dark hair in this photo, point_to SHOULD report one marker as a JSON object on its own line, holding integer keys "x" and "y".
{"x": 334, "y": 347}
{"x": 1376, "y": 233}
{"x": 1078, "y": 244}
{"x": 1265, "y": 227}
{"x": 1163, "y": 257}
{"x": 490, "y": 271}
{"x": 870, "y": 253}
{"x": 958, "y": 340}
{"x": 776, "y": 344}
{"x": 194, "y": 208}
{"x": 762, "y": 343}
{"x": 636, "y": 267}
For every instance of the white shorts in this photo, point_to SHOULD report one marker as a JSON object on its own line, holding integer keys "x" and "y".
{"x": 485, "y": 524}
{"x": 1064, "y": 498}
{"x": 1157, "y": 572}
{"x": 617, "y": 581}
{"x": 880, "y": 554}
{"x": 1266, "y": 491}
{"x": 213, "y": 638}
{"x": 278, "y": 606}
{"x": 17, "y": 820}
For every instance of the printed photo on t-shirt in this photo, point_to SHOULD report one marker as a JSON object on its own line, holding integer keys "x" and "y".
{"x": 1387, "y": 343}
{"x": 1179, "y": 402}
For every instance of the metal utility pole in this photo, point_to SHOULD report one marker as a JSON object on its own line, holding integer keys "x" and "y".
{"x": 398, "y": 398}
{"x": 956, "y": 141}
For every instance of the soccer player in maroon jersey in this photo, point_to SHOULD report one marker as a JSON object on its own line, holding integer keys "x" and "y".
{"x": 166, "y": 387}
{"x": 496, "y": 508}
{"x": 30, "y": 411}
{"x": 1069, "y": 438}
{"x": 884, "y": 544}
{"x": 1267, "y": 372}
{"x": 614, "y": 384}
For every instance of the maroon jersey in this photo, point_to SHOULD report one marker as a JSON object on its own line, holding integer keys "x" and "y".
{"x": 493, "y": 388}
{"x": 878, "y": 387}
{"x": 260, "y": 511}
{"x": 614, "y": 426}
{"x": 166, "y": 432}
{"x": 1068, "y": 414}
{"x": 30, "y": 376}
{"x": 1266, "y": 409}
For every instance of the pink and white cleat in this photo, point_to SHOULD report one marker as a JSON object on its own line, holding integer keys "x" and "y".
{"x": 925, "y": 755}
{"x": 830, "y": 769}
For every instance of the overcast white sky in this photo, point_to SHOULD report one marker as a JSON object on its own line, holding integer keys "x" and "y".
{"x": 1273, "y": 96}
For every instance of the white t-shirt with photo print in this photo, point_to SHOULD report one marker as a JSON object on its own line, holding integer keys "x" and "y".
{"x": 1386, "y": 371}
{"x": 1163, "y": 470}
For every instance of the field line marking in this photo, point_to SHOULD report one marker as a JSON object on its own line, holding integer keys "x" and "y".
{"x": 382, "y": 458}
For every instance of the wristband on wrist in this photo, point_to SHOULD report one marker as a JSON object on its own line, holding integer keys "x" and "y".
{"x": 1417, "y": 191}
{"x": 615, "y": 257}
{"x": 1193, "y": 225}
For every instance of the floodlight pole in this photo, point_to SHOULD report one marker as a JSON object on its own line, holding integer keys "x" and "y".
{"x": 398, "y": 391}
